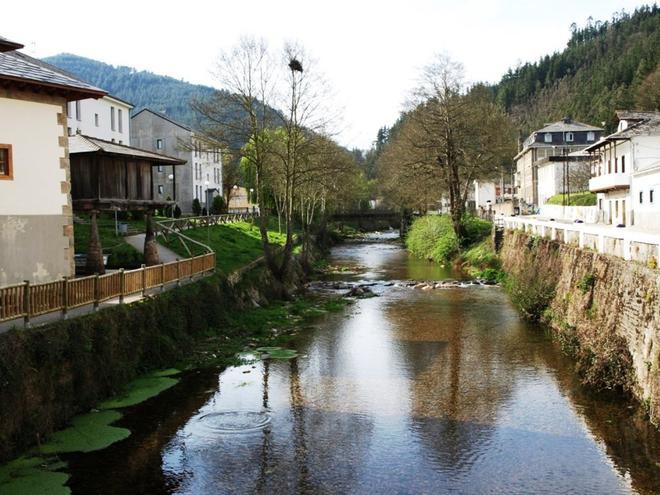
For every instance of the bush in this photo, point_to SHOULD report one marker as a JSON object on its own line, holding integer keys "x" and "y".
{"x": 218, "y": 205}
{"x": 177, "y": 211}
{"x": 432, "y": 237}
{"x": 125, "y": 256}
{"x": 196, "y": 207}
{"x": 576, "y": 199}
{"x": 476, "y": 230}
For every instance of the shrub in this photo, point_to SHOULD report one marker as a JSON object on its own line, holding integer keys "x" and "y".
{"x": 218, "y": 205}
{"x": 586, "y": 283}
{"x": 177, "y": 211}
{"x": 476, "y": 230}
{"x": 196, "y": 207}
{"x": 125, "y": 256}
{"x": 432, "y": 237}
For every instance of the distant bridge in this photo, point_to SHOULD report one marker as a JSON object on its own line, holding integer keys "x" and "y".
{"x": 372, "y": 219}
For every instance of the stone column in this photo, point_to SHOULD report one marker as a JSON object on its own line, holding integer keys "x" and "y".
{"x": 151, "y": 256}
{"x": 95, "y": 250}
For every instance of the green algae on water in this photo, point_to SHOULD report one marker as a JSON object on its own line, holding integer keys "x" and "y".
{"x": 277, "y": 353}
{"x": 33, "y": 475}
{"x": 87, "y": 433}
{"x": 139, "y": 390}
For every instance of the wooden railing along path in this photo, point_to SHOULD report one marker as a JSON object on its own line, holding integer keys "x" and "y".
{"x": 28, "y": 300}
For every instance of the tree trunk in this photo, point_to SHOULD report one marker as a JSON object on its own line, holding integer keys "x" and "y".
{"x": 151, "y": 256}
{"x": 95, "y": 250}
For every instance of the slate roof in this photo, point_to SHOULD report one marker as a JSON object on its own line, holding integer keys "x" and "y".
{"x": 19, "y": 68}
{"x": 7, "y": 45}
{"x": 642, "y": 123}
{"x": 86, "y": 144}
{"x": 572, "y": 126}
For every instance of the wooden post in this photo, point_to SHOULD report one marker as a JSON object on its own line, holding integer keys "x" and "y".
{"x": 26, "y": 303}
{"x": 162, "y": 277}
{"x": 96, "y": 292}
{"x": 65, "y": 298}
{"x": 122, "y": 285}
{"x": 144, "y": 280}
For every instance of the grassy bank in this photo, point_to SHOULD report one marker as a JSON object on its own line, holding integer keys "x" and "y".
{"x": 236, "y": 244}
{"x": 576, "y": 199}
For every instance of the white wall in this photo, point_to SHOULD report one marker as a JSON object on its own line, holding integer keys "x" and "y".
{"x": 84, "y": 120}
{"x": 32, "y": 130}
{"x": 207, "y": 167}
{"x": 484, "y": 192}
{"x": 588, "y": 214}
{"x": 646, "y": 212}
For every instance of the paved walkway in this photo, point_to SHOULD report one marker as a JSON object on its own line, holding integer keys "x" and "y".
{"x": 166, "y": 255}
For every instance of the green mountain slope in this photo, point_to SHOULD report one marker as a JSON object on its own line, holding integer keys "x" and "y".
{"x": 141, "y": 88}
{"x": 605, "y": 66}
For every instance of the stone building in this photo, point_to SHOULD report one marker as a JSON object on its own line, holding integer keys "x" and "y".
{"x": 201, "y": 176}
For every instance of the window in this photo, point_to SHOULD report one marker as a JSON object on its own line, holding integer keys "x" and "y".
{"x": 591, "y": 136}
{"x": 159, "y": 144}
{"x": 112, "y": 118}
{"x": 78, "y": 113}
{"x": 547, "y": 137}
{"x": 69, "y": 131}
{"x": 96, "y": 119}
{"x": 641, "y": 197}
{"x": 569, "y": 137}
{"x": 121, "y": 124}
{"x": 623, "y": 164}
{"x": 160, "y": 168}
{"x": 160, "y": 189}
{"x": 651, "y": 196}
{"x": 6, "y": 170}
{"x": 609, "y": 166}
{"x": 69, "y": 109}
{"x": 616, "y": 164}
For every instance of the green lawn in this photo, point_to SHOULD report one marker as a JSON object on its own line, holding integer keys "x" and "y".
{"x": 575, "y": 199}
{"x": 235, "y": 244}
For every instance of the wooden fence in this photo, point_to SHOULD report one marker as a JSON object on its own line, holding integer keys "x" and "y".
{"x": 27, "y": 300}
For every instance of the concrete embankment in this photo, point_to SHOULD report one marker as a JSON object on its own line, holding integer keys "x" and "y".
{"x": 52, "y": 373}
{"x": 604, "y": 310}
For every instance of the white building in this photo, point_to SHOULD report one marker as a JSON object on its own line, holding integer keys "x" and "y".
{"x": 36, "y": 218}
{"x": 626, "y": 171}
{"x": 107, "y": 118}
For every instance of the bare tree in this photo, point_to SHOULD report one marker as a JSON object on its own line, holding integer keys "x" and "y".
{"x": 463, "y": 131}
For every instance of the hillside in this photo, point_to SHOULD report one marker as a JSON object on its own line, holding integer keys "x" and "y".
{"x": 605, "y": 66}
{"x": 141, "y": 88}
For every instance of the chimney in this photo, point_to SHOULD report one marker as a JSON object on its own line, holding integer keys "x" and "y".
{"x": 567, "y": 120}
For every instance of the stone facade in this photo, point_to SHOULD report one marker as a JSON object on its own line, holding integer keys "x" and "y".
{"x": 608, "y": 308}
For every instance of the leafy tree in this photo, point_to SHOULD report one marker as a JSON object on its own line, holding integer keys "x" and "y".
{"x": 196, "y": 207}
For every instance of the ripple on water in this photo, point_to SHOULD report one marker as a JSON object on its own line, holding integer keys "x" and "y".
{"x": 232, "y": 422}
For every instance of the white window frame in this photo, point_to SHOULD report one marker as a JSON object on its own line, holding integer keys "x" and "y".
{"x": 547, "y": 137}
{"x": 591, "y": 136}
{"x": 570, "y": 137}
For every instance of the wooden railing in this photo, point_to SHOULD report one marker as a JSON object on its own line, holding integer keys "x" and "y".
{"x": 28, "y": 300}
{"x": 185, "y": 223}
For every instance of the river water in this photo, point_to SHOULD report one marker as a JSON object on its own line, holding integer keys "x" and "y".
{"x": 413, "y": 391}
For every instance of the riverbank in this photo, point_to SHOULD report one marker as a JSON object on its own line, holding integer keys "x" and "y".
{"x": 54, "y": 372}
{"x": 603, "y": 310}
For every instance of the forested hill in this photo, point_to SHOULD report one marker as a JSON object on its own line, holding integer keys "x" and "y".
{"x": 605, "y": 66}
{"x": 141, "y": 88}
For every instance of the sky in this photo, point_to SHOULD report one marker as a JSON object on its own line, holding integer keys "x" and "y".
{"x": 371, "y": 52}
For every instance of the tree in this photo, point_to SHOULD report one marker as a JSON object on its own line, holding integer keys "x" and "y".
{"x": 463, "y": 133}
{"x": 231, "y": 176}
{"x": 254, "y": 82}
{"x": 648, "y": 93}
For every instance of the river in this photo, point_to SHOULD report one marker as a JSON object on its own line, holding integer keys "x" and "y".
{"x": 414, "y": 391}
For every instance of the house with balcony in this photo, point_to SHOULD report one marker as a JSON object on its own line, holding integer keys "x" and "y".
{"x": 625, "y": 171}
{"x": 106, "y": 118}
{"x": 201, "y": 176}
{"x": 36, "y": 215}
{"x": 544, "y": 166}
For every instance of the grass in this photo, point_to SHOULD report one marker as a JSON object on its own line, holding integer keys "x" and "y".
{"x": 575, "y": 199}
{"x": 235, "y": 244}
{"x": 481, "y": 261}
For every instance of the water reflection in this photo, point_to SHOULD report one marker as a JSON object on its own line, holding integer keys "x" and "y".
{"x": 410, "y": 392}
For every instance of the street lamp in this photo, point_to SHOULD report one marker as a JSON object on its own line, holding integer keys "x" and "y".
{"x": 173, "y": 206}
{"x": 250, "y": 200}
{"x": 208, "y": 219}
{"x": 235, "y": 189}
